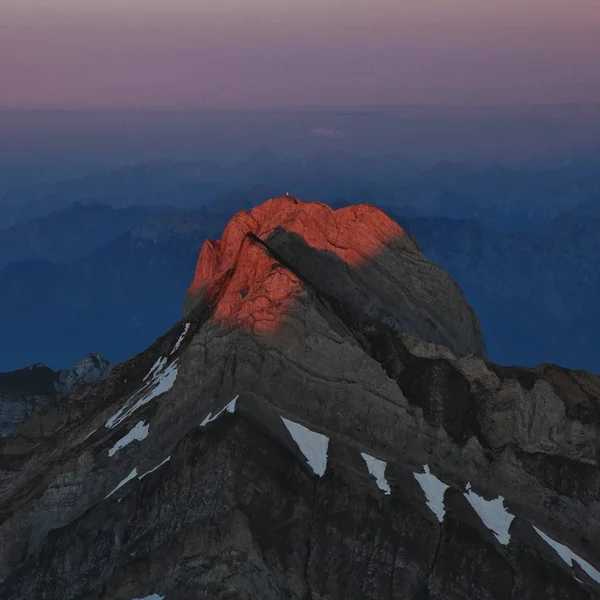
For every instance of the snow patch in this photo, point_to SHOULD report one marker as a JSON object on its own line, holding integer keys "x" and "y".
{"x": 376, "y": 468}
{"x": 312, "y": 445}
{"x": 434, "y": 490}
{"x": 162, "y": 381}
{"x": 157, "y": 367}
{"x": 139, "y": 433}
{"x": 229, "y": 408}
{"x": 492, "y": 513}
{"x": 129, "y": 477}
{"x": 151, "y": 597}
{"x": 181, "y": 338}
{"x": 569, "y": 556}
{"x": 134, "y": 474}
{"x": 164, "y": 462}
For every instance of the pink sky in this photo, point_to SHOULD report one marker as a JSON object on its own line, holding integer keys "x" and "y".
{"x": 268, "y": 53}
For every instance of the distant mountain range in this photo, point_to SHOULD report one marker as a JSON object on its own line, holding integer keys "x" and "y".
{"x": 111, "y": 301}
{"x": 536, "y": 294}
{"x": 506, "y": 199}
{"x": 69, "y": 234}
{"x": 155, "y": 184}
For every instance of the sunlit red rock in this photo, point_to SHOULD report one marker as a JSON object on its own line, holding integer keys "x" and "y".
{"x": 249, "y": 288}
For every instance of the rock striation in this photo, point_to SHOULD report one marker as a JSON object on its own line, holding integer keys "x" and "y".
{"x": 310, "y": 444}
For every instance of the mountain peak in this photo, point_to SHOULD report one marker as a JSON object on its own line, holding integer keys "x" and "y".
{"x": 272, "y": 258}
{"x": 249, "y": 286}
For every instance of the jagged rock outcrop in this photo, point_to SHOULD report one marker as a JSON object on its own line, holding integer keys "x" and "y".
{"x": 284, "y": 248}
{"x": 23, "y": 390}
{"x": 92, "y": 367}
{"x": 306, "y": 446}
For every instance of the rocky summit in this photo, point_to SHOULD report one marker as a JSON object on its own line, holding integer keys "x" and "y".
{"x": 283, "y": 255}
{"x": 323, "y": 424}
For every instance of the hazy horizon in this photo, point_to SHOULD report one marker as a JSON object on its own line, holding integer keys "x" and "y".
{"x": 498, "y": 135}
{"x": 299, "y": 109}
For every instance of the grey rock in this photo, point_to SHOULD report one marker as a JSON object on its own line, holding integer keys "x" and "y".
{"x": 92, "y": 367}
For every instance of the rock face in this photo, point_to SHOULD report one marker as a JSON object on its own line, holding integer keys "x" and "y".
{"x": 23, "y": 390}
{"x": 308, "y": 446}
{"x": 271, "y": 257}
{"x": 92, "y": 367}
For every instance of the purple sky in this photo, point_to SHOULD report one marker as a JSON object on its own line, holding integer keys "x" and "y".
{"x": 268, "y": 53}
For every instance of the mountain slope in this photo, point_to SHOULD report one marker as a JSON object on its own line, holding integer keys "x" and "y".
{"x": 317, "y": 452}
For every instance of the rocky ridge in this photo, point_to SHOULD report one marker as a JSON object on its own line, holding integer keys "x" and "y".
{"x": 92, "y": 367}
{"x": 339, "y": 451}
{"x": 23, "y": 390}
